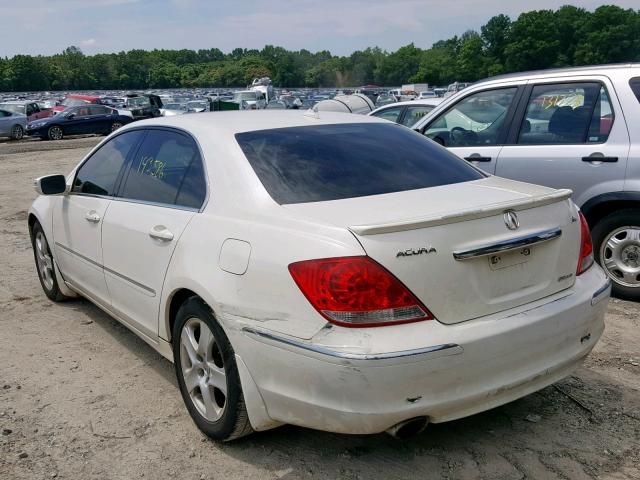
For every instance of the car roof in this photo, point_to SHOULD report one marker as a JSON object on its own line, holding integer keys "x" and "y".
{"x": 18, "y": 102}
{"x": 587, "y": 69}
{"x": 232, "y": 122}
{"x": 430, "y": 102}
{"x": 83, "y": 97}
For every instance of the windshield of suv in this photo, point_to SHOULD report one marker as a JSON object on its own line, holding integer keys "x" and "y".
{"x": 249, "y": 96}
{"x": 331, "y": 162}
{"x": 138, "y": 102}
{"x": 12, "y": 107}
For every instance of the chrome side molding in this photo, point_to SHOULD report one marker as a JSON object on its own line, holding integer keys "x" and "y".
{"x": 334, "y": 356}
{"x": 511, "y": 244}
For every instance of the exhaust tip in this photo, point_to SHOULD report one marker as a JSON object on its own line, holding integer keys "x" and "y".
{"x": 408, "y": 428}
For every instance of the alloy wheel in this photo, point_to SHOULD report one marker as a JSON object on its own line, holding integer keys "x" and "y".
{"x": 620, "y": 255}
{"x": 17, "y": 132}
{"x": 115, "y": 126}
{"x": 203, "y": 369}
{"x": 55, "y": 133}
{"x": 44, "y": 261}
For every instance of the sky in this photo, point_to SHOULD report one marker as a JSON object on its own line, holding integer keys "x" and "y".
{"x": 44, "y": 27}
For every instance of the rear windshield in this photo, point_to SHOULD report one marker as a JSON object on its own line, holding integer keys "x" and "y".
{"x": 331, "y": 162}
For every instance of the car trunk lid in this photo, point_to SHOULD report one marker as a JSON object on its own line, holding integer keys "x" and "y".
{"x": 464, "y": 261}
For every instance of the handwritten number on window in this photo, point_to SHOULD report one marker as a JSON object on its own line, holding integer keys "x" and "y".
{"x": 152, "y": 167}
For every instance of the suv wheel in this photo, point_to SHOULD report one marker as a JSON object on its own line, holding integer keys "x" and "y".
{"x": 207, "y": 373}
{"x": 616, "y": 240}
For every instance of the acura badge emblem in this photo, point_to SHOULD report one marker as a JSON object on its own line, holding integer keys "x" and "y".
{"x": 511, "y": 220}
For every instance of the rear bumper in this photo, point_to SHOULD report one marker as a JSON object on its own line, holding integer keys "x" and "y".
{"x": 344, "y": 380}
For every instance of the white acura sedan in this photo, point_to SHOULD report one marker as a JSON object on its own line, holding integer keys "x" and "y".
{"x": 327, "y": 270}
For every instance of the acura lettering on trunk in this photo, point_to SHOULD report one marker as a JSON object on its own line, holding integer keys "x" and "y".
{"x": 268, "y": 262}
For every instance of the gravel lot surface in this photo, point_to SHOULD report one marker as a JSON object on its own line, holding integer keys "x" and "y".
{"x": 83, "y": 398}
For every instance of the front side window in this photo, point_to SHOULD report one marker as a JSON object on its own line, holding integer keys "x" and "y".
{"x": 98, "y": 175}
{"x": 569, "y": 113}
{"x": 167, "y": 169}
{"x": 476, "y": 120}
{"x": 331, "y": 162}
{"x": 415, "y": 113}
{"x": 390, "y": 114}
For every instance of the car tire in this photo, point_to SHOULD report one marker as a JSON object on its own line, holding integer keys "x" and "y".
{"x": 45, "y": 264}
{"x": 55, "y": 133}
{"x": 206, "y": 358}
{"x": 616, "y": 245}
{"x": 17, "y": 132}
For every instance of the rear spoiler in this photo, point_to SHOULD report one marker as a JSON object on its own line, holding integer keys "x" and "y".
{"x": 461, "y": 215}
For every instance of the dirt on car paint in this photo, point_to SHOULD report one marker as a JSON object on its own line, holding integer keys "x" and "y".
{"x": 81, "y": 397}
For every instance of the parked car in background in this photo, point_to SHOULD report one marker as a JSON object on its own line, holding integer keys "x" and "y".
{"x": 140, "y": 107}
{"x": 83, "y": 120}
{"x": 172, "y": 109}
{"x": 12, "y": 124}
{"x": 402, "y": 95}
{"x": 198, "y": 106}
{"x": 568, "y": 128}
{"x": 276, "y": 105}
{"x": 455, "y": 87}
{"x": 406, "y": 113}
{"x": 427, "y": 94}
{"x": 290, "y": 101}
{"x": 385, "y": 99}
{"x": 31, "y": 109}
{"x": 250, "y": 100}
{"x": 404, "y": 285}
{"x": 75, "y": 101}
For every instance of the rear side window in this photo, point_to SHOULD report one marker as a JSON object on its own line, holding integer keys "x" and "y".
{"x": 569, "y": 113}
{"x": 167, "y": 169}
{"x": 331, "y": 162}
{"x": 98, "y": 175}
{"x": 634, "y": 83}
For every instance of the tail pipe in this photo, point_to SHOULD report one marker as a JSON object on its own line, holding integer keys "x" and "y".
{"x": 408, "y": 428}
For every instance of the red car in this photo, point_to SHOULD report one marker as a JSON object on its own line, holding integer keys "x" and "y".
{"x": 75, "y": 101}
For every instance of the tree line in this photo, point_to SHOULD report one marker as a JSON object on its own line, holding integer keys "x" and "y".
{"x": 535, "y": 40}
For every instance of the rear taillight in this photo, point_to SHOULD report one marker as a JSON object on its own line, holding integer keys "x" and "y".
{"x": 586, "y": 247}
{"x": 357, "y": 292}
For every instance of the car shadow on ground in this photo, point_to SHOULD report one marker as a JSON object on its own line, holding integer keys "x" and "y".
{"x": 558, "y": 432}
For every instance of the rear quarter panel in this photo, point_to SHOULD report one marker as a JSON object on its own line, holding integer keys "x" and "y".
{"x": 265, "y": 296}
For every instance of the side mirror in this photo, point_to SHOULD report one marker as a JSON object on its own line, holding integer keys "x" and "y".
{"x": 71, "y": 115}
{"x": 50, "y": 185}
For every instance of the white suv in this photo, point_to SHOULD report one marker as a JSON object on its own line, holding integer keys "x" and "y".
{"x": 569, "y": 128}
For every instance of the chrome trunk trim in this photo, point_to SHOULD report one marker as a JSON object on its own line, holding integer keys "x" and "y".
{"x": 505, "y": 245}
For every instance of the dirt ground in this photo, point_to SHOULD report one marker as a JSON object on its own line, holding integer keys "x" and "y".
{"x": 83, "y": 398}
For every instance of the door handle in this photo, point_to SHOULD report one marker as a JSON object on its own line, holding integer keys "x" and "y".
{"x": 599, "y": 157}
{"x": 160, "y": 232}
{"x": 476, "y": 157}
{"x": 92, "y": 216}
